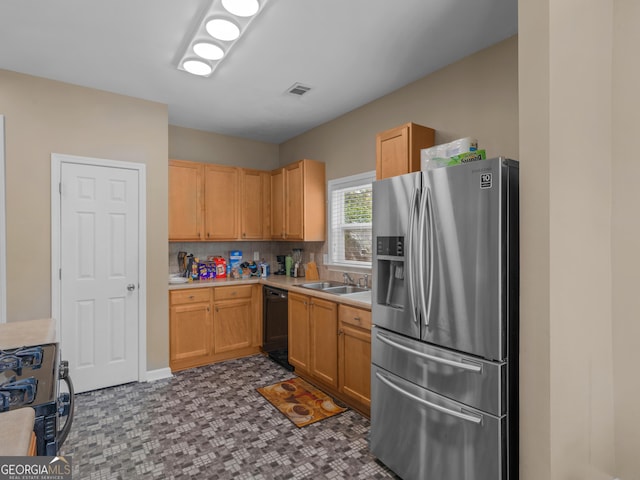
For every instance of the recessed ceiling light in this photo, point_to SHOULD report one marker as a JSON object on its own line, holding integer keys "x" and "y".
{"x": 223, "y": 29}
{"x": 197, "y": 67}
{"x": 241, "y": 8}
{"x": 208, "y": 50}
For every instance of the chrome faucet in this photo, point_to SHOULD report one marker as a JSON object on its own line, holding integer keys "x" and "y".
{"x": 347, "y": 279}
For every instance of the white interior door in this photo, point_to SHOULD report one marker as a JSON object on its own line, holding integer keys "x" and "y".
{"x": 99, "y": 279}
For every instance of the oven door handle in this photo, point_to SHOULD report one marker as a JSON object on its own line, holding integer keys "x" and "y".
{"x": 64, "y": 432}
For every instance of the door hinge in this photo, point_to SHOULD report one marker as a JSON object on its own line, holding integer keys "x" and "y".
{"x": 60, "y": 274}
{"x": 60, "y": 187}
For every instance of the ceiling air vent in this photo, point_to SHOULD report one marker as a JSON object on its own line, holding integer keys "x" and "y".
{"x": 298, "y": 89}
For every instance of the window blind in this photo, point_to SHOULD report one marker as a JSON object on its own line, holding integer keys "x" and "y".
{"x": 350, "y": 217}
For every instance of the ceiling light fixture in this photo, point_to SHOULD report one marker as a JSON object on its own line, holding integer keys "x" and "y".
{"x": 218, "y": 29}
{"x": 222, "y": 29}
{"x": 208, "y": 51}
{"x": 241, "y": 8}
{"x": 197, "y": 67}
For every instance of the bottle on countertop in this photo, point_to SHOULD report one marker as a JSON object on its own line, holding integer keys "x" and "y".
{"x": 288, "y": 262}
{"x": 195, "y": 275}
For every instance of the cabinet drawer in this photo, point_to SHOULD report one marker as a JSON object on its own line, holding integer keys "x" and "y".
{"x": 231, "y": 293}
{"x": 191, "y": 295}
{"x": 355, "y": 316}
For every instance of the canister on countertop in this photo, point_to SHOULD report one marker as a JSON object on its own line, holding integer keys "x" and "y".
{"x": 264, "y": 270}
{"x": 288, "y": 263}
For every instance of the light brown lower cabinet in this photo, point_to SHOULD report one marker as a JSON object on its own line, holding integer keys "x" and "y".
{"x": 208, "y": 324}
{"x": 232, "y": 319}
{"x": 330, "y": 345}
{"x": 298, "y": 331}
{"x": 354, "y": 355}
{"x": 189, "y": 328}
{"x": 323, "y": 327}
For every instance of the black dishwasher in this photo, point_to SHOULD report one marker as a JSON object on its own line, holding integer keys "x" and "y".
{"x": 275, "y": 325}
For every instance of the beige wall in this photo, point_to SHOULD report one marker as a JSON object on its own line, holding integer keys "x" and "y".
{"x": 475, "y": 97}
{"x": 44, "y": 117}
{"x": 626, "y": 237}
{"x": 578, "y": 115}
{"x": 209, "y": 147}
{"x": 535, "y": 428}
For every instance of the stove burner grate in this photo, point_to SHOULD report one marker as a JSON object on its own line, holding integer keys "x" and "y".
{"x": 17, "y": 392}
{"x": 17, "y": 359}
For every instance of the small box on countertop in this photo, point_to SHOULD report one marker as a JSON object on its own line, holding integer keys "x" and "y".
{"x": 221, "y": 267}
{"x": 235, "y": 258}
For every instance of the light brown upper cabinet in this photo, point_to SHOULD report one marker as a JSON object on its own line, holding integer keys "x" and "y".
{"x": 186, "y": 221}
{"x": 298, "y": 209}
{"x": 215, "y": 202}
{"x": 221, "y": 202}
{"x": 398, "y": 149}
{"x": 255, "y": 204}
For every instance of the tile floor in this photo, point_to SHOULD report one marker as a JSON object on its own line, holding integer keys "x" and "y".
{"x": 211, "y": 423}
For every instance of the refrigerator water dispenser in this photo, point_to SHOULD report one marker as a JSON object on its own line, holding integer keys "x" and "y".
{"x": 391, "y": 272}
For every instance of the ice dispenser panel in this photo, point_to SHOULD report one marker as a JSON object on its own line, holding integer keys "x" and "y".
{"x": 391, "y": 272}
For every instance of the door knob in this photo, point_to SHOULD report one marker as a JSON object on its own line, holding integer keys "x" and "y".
{"x": 131, "y": 287}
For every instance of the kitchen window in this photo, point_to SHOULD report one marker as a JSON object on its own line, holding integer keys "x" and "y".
{"x": 350, "y": 216}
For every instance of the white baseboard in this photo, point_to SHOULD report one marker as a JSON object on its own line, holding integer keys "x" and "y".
{"x": 159, "y": 374}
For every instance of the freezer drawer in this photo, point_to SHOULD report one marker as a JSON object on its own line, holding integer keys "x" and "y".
{"x": 421, "y": 435}
{"x": 468, "y": 380}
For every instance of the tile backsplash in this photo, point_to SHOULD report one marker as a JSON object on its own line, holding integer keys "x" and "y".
{"x": 267, "y": 251}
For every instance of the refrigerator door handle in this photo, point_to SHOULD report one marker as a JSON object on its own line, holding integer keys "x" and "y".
{"x": 463, "y": 416}
{"x": 452, "y": 363}
{"x": 421, "y": 249}
{"x": 430, "y": 253}
{"x": 409, "y": 253}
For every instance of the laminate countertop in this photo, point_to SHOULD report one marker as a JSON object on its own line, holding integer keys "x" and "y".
{"x": 16, "y": 426}
{"x": 360, "y": 300}
{"x": 27, "y": 332}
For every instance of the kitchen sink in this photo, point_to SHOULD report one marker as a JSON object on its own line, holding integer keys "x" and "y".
{"x": 345, "y": 289}
{"x": 321, "y": 285}
{"x": 335, "y": 288}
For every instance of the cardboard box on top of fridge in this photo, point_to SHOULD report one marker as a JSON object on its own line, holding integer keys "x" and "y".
{"x": 446, "y": 151}
{"x": 455, "y": 160}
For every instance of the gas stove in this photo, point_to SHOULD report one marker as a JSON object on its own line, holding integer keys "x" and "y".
{"x": 29, "y": 377}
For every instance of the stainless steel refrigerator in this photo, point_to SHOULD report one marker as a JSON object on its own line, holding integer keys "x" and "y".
{"x": 444, "y": 374}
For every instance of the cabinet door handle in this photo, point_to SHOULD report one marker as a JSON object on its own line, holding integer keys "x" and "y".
{"x": 340, "y": 332}
{"x": 357, "y": 319}
{"x": 217, "y": 309}
{"x": 191, "y": 297}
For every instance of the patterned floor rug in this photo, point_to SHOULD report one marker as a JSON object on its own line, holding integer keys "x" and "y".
{"x": 300, "y": 402}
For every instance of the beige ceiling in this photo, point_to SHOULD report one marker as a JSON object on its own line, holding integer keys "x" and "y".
{"x": 349, "y": 52}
